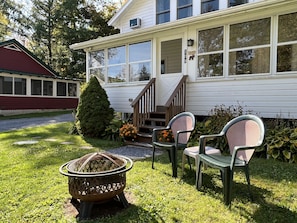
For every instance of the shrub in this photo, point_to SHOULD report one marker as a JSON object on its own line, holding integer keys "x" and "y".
{"x": 112, "y": 131}
{"x": 93, "y": 112}
{"x": 281, "y": 140}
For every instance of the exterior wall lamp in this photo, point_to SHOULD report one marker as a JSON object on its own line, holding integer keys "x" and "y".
{"x": 190, "y": 42}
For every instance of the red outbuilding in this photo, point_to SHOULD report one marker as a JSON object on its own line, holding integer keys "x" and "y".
{"x": 28, "y": 85}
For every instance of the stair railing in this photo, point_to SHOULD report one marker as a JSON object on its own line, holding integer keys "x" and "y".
{"x": 144, "y": 103}
{"x": 177, "y": 101}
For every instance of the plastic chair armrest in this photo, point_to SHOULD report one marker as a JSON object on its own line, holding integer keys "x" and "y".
{"x": 204, "y": 138}
{"x": 156, "y": 130}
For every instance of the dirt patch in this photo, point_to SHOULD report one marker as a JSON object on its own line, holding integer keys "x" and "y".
{"x": 99, "y": 210}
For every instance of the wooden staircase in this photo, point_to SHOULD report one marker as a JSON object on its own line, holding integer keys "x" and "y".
{"x": 147, "y": 115}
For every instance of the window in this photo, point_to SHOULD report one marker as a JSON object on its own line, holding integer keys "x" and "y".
{"x": 72, "y": 89}
{"x": 163, "y": 11}
{"x": 61, "y": 89}
{"x": 250, "y": 47}
{"x": 97, "y": 64}
{"x": 210, "y": 52}
{"x": 5, "y": 85}
{"x": 237, "y": 2}
{"x": 20, "y": 86}
{"x": 35, "y": 87}
{"x": 116, "y": 64}
{"x": 184, "y": 8}
{"x": 140, "y": 61}
{"x": 287, "y": 43}
{"x": 209, "y": 5}
{"x": 48, "y": 88}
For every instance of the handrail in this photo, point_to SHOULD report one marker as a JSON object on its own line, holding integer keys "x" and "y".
{"x": 177, "y": 101}
{"x": 151, "y": 82}
{"x": 144, "y": 103}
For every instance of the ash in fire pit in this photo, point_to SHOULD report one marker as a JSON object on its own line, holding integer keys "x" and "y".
{"x": 97, "y": 177}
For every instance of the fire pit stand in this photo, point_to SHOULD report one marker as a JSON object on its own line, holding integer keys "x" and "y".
{"x": 97, "y": 178}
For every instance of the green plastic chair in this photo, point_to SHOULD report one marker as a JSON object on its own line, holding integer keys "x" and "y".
{"x": 181, "y": 126}
{"x": 243, "y": 134}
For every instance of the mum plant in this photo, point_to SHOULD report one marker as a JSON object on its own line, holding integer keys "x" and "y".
{"x": 166, "y": 136}
{"x": 128, "y": 131}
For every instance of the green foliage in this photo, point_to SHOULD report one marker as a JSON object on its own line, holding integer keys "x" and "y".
{"x": 93, "y": 112}
{"x": 281, "y": 141}
{"x": 58, "y": 24}
{"x": 112, "y": 131}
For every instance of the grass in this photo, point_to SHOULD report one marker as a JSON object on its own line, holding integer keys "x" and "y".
{"x": 33, "y": 190}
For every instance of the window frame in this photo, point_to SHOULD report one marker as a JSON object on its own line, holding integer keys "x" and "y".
{"x": 162, "y": 12}
{"x": 185, "y": 6}
{"x": 205, "y": 2}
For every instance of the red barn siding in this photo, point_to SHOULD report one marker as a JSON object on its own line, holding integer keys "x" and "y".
{"x": 17, "y": 103}
{"x": 19, "y": 61}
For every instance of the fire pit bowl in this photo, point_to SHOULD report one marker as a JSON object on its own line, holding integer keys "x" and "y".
{"x": 97, "y": 176}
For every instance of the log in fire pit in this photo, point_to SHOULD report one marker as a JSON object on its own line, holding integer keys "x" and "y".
{"x": 96, "y": 177}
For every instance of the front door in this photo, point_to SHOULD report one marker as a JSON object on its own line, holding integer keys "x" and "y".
{"x": 170, "y": 69}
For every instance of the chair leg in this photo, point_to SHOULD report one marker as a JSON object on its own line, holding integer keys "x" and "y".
{"x": 183, "y": 163}
{"x": 189, "y": 162}
{"x": 154, "y": 148}
{"x": 198, "y": 174}
{"x": 227, "y": 181}
{"x": 174, "y": 162}
{"x": 247, "y": 175}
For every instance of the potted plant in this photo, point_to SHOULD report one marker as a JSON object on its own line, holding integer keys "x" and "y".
{"x": 166, "y": 136}
{"x": 128, "y": 132}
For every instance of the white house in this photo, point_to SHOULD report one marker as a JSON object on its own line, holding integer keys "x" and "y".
{"x": 232, "y": 51}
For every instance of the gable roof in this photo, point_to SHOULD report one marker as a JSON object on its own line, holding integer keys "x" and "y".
{"x": 125, "y": 7}
{"x": 17, "y": 59}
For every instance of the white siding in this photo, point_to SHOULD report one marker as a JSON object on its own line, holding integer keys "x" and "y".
{"x": 271, "y": 98}
{"x": 144, "y": 10}
{"x": 119, "y": 96}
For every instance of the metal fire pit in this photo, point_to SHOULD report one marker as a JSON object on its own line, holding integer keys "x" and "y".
{"x": 97, "y": 177}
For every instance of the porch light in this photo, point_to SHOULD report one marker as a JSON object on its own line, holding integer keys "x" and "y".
{"x": 190, "y": 42}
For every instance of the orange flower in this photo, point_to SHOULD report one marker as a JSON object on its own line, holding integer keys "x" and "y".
{"x": 128, "y": 130}
{"x": 166, "y": 136}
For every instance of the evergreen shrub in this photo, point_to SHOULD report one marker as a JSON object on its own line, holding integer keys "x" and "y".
{"x": 93, "y": 112}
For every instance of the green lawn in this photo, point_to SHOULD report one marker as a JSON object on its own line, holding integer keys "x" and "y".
{"x": 33, "y": 190}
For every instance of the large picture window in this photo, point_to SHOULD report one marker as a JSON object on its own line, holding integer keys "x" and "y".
{"x": 5, "y": 85}
{"x": 209, "y": 6}
{"x": 287, "y": 43}
{"x": 20, "y": 86}
{"x": 184, "y": 8}
{"x": 140, "y": 61}
{"x": 163, "y": 11}
{"x": 210, "y": 52}
{"x": 116, "y": 64}
{"x": 250, "y": 47}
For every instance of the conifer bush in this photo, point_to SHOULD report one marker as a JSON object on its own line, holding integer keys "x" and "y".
{"x": 93, "y": 112}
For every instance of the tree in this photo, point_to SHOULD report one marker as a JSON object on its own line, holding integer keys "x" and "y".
{"x": 12, "y": 19}
{"x": 93, "y": 112}
{"x": 58, "y": 24}
{"x": 43, "y": 24}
